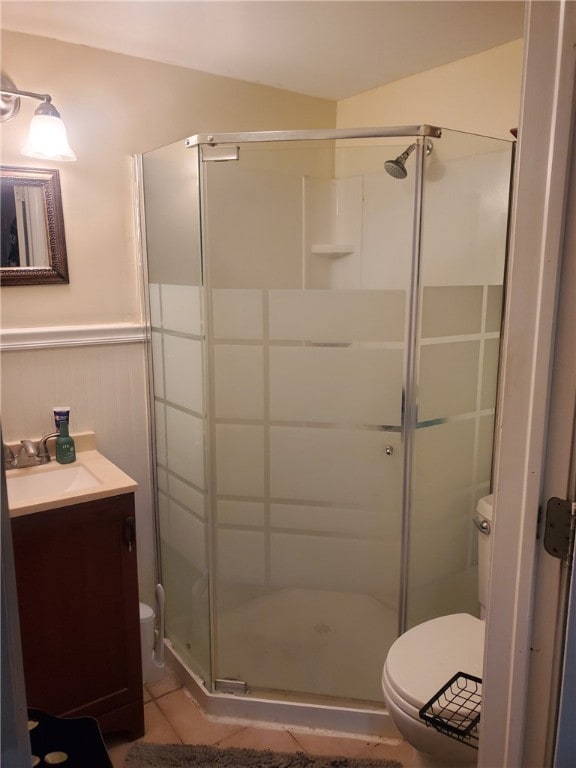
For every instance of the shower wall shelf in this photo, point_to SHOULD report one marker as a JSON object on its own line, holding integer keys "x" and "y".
{"x": 331, "y": 249}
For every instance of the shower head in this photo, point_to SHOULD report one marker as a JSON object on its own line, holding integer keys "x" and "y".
{"x": 397, "y": 167}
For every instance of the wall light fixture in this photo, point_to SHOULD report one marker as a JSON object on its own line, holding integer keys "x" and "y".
{"x": 47, "y": 137}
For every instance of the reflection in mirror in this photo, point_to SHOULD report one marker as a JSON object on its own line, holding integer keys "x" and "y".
{"x": 33, "y": 247}
{"x": 23, "y": 216}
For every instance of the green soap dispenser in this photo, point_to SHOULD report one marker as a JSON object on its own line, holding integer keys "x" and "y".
{"x": 65, "y": 449}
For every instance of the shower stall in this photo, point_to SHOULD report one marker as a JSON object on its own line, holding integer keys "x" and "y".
{"x": 324, "y": 339}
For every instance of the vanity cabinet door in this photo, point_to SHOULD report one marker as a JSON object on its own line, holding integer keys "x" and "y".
{"x": 79, "y": 614}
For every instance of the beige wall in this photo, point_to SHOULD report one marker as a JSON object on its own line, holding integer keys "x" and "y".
{"x": 115, "y": 106}
{"x": 479, "y": 94}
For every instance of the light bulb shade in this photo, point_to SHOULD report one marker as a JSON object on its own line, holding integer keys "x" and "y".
{"x": 47, "y": 139}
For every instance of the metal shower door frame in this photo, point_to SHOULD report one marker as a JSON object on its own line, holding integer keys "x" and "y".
{"x": 398, "y": 132}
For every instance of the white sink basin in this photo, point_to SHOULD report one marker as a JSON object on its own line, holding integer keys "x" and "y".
{"x": 49, "y": 482}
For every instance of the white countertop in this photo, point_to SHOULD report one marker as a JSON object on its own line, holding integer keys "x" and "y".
{"x": 109, "y": 480}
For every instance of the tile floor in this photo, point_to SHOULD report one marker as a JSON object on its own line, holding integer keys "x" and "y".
{"x": 173, "y": 717}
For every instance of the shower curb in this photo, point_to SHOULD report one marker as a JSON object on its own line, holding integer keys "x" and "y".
{"x": 346, "y": 721}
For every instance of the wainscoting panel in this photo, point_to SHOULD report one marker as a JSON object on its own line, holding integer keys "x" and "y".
{"x": 104, "y": 383}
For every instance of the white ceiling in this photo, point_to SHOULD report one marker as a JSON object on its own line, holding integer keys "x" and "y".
{"x": 328, "y": 48}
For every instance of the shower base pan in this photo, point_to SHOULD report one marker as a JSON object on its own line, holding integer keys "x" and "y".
{"x": 256, "y": 707}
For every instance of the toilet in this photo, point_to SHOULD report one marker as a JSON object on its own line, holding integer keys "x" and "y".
{"x": 423, "y": 659}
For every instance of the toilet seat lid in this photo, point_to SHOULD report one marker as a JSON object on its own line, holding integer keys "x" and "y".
{"x": 423, "y": 659}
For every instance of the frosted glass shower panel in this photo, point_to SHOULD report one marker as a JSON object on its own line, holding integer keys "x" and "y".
{"x": 337, "y": 466}
{"x": 240, "y": 460}
{"x": 244, "y": 365}
{"x": 448, "y": 379}
{"x": 337, "y": 316}
{"x": 171, "y": 204}
{"x": 254, "y": 219}
{"x": 452, "y": 310}
{"x": 489, "y": 373}
{"x": 157, "y": 341}
{"x": 181, "y": 308}
{"x": 386, "y": 239}
{"x": 464, "y": 226}
{"x": 183, "y": 372}
{"x": 238, "y": 313}
{"x": 354, "y": 384}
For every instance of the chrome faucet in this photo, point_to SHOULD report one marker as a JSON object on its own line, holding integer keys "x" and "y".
{"x": 43, "y": 454}
{"x": 31, "y": 454}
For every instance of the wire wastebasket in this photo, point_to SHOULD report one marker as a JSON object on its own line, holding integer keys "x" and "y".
{"x": 454, "y": 710}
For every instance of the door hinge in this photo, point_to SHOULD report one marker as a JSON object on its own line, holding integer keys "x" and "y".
{"x": 560, "y": 529}
{"x": 220, "y": 153}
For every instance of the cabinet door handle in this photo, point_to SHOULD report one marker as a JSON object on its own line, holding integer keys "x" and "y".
{"x": 130, "y": 532}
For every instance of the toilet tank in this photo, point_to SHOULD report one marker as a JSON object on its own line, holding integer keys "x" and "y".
{"x": 483, "y": 522}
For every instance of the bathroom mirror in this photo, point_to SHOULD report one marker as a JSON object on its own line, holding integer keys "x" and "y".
{"x": 33, "y": 246}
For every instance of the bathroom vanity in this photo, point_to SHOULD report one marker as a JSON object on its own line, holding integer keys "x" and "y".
{"x": 75, "y": 562}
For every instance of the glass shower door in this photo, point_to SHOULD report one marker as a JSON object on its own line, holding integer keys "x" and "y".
{"x": 307, "y": 254}
{"x": 172, "y": 230}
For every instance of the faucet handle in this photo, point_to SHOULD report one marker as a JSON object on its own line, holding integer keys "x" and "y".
{"x": 8, "y": 455}
{"x": 28, "y": 454}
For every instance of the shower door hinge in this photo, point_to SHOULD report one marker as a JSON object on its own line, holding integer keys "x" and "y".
{"x": 560, "y": 529}
{"x": 223, "y": 685}
{"x": 219, "y": 153}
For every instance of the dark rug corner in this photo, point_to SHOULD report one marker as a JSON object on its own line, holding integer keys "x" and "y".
{"x": 145, "y": 755}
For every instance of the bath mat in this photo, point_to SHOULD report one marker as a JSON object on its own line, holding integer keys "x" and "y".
{"x": 143, "y": 755}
